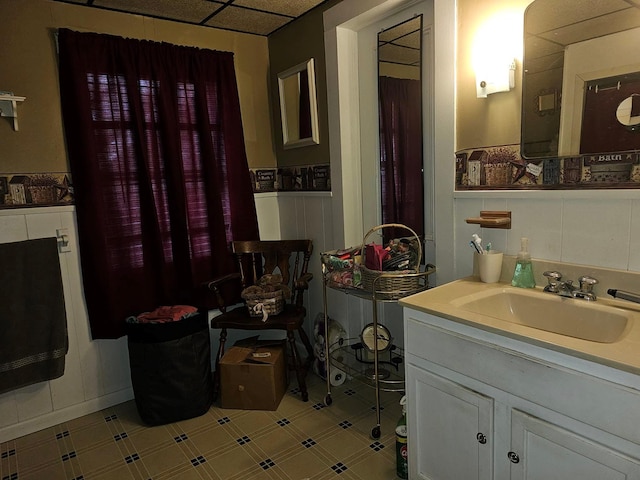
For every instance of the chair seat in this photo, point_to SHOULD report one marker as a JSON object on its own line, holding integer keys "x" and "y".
{"x": 290, "y": 318}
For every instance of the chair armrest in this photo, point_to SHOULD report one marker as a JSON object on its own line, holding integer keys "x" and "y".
{"x": 214, "y": 286}
{"x": 216, "y": 282}
{"x": 303, "y": 281}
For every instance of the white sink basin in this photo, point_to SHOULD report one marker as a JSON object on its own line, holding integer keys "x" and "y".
{"x": 544, "y": 311}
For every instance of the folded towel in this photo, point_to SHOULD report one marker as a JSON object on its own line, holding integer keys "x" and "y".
{"x": 165, "y": 314}
{"x": 33, "y": 323}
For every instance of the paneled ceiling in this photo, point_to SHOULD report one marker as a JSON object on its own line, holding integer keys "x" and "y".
{"x": 258, "y": 17}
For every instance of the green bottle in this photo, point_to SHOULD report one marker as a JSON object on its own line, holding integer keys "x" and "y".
{"x": 523, "y": 273}
{"x": 402, "y": 464}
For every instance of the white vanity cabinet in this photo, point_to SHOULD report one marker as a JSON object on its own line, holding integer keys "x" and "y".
{"x": 452, "y": 428}
{"x": 485, "y": 406}
{"x": 551, "y": 451}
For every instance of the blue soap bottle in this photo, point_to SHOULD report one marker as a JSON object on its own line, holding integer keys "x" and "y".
{"x": 523, "y": 273}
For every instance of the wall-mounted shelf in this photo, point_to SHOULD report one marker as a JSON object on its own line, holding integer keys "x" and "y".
{"x": 492, "y": 219}
{"x": 9, "y": 106}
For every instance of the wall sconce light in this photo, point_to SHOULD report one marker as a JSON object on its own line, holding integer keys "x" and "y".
{"x": 496, "y": 48}
{"x": 495, "y": 76}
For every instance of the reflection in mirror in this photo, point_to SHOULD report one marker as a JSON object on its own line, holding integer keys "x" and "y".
{"x": 298, "y": 106}
{"x": 581, "y": 62}
{"x": 400, "y": 115}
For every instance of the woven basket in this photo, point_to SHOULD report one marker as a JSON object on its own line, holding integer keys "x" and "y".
{"x": 261, "y": 305}
{"x": 42, "y": 194}
{"x": 389, "y": 282}
{"x": 498, "y": 173}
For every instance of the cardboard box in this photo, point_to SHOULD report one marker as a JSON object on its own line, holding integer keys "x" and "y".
{"x": 253, "y": 378}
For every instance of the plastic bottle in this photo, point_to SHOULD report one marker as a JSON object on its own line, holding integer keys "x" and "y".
{"x": 402, "y": 465}
{"x": 523, "y": 273}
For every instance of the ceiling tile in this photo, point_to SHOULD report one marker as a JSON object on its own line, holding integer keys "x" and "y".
{"x": 192, "y": 11}
{"x": 260, "y": 17}
{"x": 245, "y": 20}
{"x": 292, "y": 8}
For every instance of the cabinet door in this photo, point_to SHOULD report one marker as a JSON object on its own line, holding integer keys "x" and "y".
{"x": 544, "y": 451}
{"x": 450, "y": 429}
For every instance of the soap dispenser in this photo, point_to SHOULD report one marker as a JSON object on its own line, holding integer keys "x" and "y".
{"x": 523, "y": 273}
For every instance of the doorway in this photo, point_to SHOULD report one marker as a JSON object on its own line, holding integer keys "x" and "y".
{"x": 369, "y": 69}
{"x": 351, "y": 30}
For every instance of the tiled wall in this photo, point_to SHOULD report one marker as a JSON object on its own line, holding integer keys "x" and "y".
{"x": 599, "y": 228}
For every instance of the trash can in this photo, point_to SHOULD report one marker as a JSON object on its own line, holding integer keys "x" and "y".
{"x": 171, "y": 368}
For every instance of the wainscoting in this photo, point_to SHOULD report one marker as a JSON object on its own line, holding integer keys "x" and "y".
{"x": 97, "y": 371}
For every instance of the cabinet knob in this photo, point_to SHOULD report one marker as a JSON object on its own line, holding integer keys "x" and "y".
{"x": 513, "y": 457}
{"x": 481, "y": 438}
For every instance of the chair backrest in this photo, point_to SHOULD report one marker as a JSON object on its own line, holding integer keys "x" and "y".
{"x": 289, "y": 258}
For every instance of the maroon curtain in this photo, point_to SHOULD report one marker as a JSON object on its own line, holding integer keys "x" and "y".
{"x": 161, "y": 180}
{"x": 601, "y": 130}
{"x": 402, "y": 185}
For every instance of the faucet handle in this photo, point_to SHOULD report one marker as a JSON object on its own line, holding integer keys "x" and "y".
{"x": 553, "y": 278}
{"x": 553, "y": 275}
{"x": 587, "y": 283}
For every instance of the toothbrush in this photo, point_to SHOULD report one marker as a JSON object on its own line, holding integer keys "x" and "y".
{"x": 478, "y": 242}
{"x": 474, "y": 245}
{"x": 488, "y": 247}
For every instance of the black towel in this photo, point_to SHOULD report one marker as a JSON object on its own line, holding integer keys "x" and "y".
{"x": 33, "y": 322}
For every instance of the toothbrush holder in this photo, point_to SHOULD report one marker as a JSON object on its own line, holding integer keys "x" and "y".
{"x": 489, "y": 266}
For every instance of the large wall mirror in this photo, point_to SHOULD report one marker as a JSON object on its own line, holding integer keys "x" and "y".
{"x": 581, "y": 81}
{"x": 298, "y": 107}
{"x": 400, "y": 115}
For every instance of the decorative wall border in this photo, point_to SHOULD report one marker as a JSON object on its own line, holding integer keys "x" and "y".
{"x": 35, "y": 189}
{"x": 18, "y": 190}
{"x": 314, "y": 178}
{"x": 503, "y": 168}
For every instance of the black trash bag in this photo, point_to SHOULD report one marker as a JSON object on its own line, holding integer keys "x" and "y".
{"x": 171, "y": 369}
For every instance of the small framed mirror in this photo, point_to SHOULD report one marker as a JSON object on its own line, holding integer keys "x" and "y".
{"x": 298, "y": 107}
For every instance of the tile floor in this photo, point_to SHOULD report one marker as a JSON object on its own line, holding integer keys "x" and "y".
{"x": 298, "y": 441}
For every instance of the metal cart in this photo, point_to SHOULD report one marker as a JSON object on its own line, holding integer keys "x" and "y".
{"x": 344, "y": 355}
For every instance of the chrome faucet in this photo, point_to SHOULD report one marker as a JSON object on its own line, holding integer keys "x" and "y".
{"x": 568, "y": 289}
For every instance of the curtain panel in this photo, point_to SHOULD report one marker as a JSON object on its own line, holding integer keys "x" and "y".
{"x": 159, "y": 168}
{"x": 402, "y": 185}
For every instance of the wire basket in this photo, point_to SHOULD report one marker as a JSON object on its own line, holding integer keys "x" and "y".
{"x": 390, "y": 281}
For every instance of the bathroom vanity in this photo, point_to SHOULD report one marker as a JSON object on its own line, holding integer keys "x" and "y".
{"x": 494, "y": 395}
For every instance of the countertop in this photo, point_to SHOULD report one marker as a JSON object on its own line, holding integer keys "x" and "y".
{"x": 623, "y": 354}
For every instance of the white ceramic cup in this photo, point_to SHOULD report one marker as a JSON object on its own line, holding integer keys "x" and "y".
{"x": 489, "y": 266}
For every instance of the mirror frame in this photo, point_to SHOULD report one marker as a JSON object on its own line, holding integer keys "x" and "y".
{"x": 314, "y": 139}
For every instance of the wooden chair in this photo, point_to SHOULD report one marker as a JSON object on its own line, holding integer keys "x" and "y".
{"x": 290, "y": 258}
